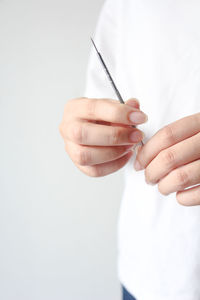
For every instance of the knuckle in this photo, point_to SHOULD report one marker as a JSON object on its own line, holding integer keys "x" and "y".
{"x": 182, "y": 179}
{"x": 116, "y": 136}
{"x": 78, "y": 133}
{"x": 91, "y": 107}
{"x": 167, "y": 134}
{"x": 168, "y": 157}
{"x": 82, "y": 157}
{"x": 116, "y": 113}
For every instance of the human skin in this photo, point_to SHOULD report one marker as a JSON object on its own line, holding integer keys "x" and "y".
{"x": 171, "y": 159}
{"x": 98, "y": 133}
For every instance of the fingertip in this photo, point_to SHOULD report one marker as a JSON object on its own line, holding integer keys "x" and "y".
{"x": 137, "y": 149}
{"x": 137, "y": 164}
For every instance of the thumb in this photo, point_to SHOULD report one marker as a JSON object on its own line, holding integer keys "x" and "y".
{"x": 133, "y": 102}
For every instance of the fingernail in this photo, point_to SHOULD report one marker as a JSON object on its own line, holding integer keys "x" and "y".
{"x": 137, "y": 149}
{"x": 138, "y": 117}
{"x": 137, "y": 166}
{"x": 136, "y": 136}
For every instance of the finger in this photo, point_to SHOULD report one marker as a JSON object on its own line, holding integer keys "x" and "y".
{"x": 180, "y": 179}
{"x": 173, "y": 157}
{"x": 106, "y": 110}
{"x": 106, "y": 168}
{"x": 133, "y": 102}
{"x": 85, "y": 133}
{"x": 88, "y": 156}
{"x": 189, "y": 197}
{"x": 166, "y": 137}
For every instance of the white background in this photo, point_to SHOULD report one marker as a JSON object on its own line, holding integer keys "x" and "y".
{"x": 58, "y": 228}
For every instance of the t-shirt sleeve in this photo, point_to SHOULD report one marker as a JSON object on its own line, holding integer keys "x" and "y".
{"x": 97, "y": 83}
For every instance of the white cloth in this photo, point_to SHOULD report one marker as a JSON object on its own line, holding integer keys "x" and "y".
{"x": 153, "y": 51}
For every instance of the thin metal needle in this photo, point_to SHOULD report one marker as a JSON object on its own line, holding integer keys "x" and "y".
{"x": 108, "y": 74}
{"x": 110, "y": 78}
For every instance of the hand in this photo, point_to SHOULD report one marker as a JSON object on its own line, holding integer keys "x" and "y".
{"x": 171, "y": 159}
{"x": 98, "y": 135}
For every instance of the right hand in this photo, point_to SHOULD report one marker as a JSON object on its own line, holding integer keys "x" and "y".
{"x": 98, "y": 135}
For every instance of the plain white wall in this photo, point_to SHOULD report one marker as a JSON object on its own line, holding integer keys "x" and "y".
{"x": 58, "y": 228}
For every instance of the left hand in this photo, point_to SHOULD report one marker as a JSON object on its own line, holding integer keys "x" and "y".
{"x": 171, "y": 159}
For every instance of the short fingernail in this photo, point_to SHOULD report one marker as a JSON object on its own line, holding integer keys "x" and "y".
{"x": 137, "y": 165}
{"x": 137, "y": 149}
{"x": 138, "y": 117}
{"x": 136, "y": 136}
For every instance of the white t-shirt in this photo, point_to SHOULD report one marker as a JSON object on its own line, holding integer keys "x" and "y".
{"x": 153, "y": 51}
